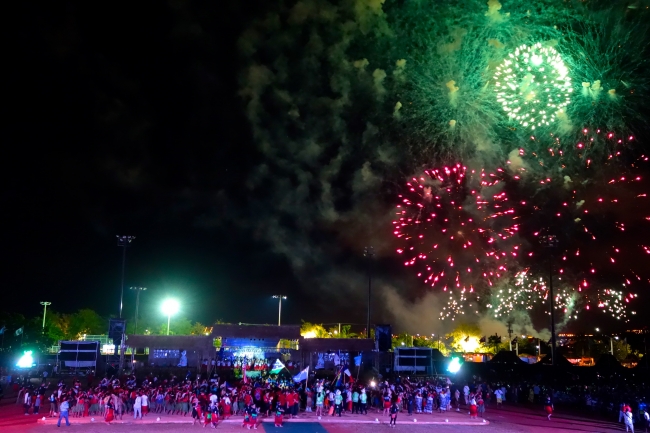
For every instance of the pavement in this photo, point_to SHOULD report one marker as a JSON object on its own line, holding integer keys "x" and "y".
{"x": 509, "y": 419}
{"x": 449, "y": 418}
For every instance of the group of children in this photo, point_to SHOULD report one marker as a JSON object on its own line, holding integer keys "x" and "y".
{"x": 210, "y": 415}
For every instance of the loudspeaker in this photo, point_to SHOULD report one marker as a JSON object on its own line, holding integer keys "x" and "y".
{"x": 116, "y": 327}
{"x": 383, "y": 337}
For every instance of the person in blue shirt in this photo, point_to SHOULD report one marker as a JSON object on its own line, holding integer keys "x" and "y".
{"x": 64, "y": 407}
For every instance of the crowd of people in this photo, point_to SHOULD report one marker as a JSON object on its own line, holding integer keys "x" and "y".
{"x": 210, "y": 400}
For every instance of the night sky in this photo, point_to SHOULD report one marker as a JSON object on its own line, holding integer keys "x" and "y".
{"x": 140, "y": 121}
{"x": 128, "y": 122}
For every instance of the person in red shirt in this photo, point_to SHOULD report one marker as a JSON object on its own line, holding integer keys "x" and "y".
{"x": 290, "y": 402}
{"x": 296, "y": 404}
{"x": 225, "y": 407}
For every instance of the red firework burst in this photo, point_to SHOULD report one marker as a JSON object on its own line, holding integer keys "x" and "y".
{"x": 456, "y": 226}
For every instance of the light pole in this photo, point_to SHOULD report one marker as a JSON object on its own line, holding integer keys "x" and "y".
{"x": 169, "y": 307}
{"x": 510, "y": 333}
{"x": 551, "y": 241}
{"x": 137, "y": 304}
{"x": 369, "y": 252}
{"x": 279, "y": 298}
{"x": 123, "y": 241}
{"x": 45, "y": 304}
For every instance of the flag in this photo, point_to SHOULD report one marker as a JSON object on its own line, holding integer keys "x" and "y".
{"x": 2, "y": 331}
{"x": 482, "y": 340}
{"x": 19, "y": 331}
{"x": 467, "y": 339}
{"x": 277, "y": 367}
{"x": 302, "y": 375}
{"x": 357, "y": 361}
{"x": 347, "y": 371}
{"x": 514, "y": 340}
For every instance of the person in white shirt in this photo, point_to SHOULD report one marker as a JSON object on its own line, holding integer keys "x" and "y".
{"x": 145, "y": 404}
{"x": 27, "y": 401}
{"x": 466, "y": 394}
{"x": 137, "y": 407}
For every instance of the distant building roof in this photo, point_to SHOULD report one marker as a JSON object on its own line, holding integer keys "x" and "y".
{"x": 561, "y": 361}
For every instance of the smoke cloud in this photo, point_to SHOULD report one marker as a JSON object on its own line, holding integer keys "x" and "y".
{"x": 347, "y": 99}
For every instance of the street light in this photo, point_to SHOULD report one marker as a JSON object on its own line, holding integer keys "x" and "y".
{"x": 123, "y": 241}
{"x": 551, "y": 242}
{"x": 279, "y": 298}
{"x": 45, "y": 304}
{"x": 369, "y": 252}
{"x": 169, "y": 307}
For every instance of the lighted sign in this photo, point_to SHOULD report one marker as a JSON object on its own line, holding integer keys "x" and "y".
{"x": 26, "y": 361}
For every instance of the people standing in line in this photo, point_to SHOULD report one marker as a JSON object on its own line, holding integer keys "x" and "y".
{"x": 64, "y": 406}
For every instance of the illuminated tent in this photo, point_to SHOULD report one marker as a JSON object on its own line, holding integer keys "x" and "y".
{"x": 507, "y": 357}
